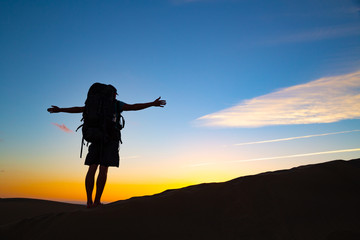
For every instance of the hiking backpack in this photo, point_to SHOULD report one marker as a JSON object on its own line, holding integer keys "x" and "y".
{"x": 101, "y": 116}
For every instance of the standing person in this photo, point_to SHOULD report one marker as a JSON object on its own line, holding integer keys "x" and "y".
{"x": 104, "y": 154}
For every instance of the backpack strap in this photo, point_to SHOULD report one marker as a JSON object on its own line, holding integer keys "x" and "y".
{"x": 82, "y": 145}
{"x": 82, "y": 140}
{"x": 122, "y": 125}
{"x": 120, "y": 120}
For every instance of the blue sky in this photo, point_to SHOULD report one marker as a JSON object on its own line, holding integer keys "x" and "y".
{"x": 268, "y": 70}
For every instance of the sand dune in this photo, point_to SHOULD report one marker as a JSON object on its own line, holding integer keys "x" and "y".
{"x": 15, "y": 209}
{"x": 320, "y": 201}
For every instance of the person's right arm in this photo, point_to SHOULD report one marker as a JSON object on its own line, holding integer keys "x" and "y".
{"x": 56, "y": 109}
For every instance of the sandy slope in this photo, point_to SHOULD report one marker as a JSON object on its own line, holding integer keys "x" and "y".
{"x": 15, "y": 209}
{"x": 319, "y": 201}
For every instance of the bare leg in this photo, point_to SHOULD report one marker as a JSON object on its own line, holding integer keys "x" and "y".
{"x": 89, "y": 183}
{"x": 100, "y": 184}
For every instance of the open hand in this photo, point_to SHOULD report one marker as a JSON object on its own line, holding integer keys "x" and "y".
{"x": 53, "y": 109}
{"x": 159, "y": 103}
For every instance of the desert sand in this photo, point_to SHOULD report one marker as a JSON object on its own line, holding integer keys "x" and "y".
{"x": 320, "y": 201}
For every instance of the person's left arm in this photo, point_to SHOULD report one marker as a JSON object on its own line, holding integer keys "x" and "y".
{"x": 140, "y": 106}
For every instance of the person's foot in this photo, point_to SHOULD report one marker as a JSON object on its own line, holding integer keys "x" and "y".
{"x": 97, "y": 204}
{"x": 89, "y": 205}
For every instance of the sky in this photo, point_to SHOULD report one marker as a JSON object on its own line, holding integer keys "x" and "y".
{"x": 251, "y": 86}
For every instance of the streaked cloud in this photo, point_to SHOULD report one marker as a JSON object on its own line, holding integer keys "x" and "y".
{"x": 317, "y": 34}
{"x": 294, "y": 138}
{"x": 298, "y": 155}
{"x": 63, "y": 127}
{"x": 325, "y": 100}
{"x": 201, "y": 164}
{"x": 130, "y": 157}
{"x": 320, "y": 34}
{"x": 276, "y": 157}
{"x": 178, "y": 2}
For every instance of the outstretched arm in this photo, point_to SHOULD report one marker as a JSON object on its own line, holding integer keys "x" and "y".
{"x": 56, "y": 109}
{"x": 141, "y": 106}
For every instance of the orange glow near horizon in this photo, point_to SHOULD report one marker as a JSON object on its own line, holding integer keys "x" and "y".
{"x": 135, "y": 180}
{"x": 75, "y": 191}
{"x": 67, "y": 184}
{"x": 122, "y": 183}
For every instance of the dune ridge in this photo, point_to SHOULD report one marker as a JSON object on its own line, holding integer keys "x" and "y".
{"x": 319, "y": 201}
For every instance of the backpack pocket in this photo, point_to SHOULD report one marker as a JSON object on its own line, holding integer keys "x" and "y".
{"x": 93, "y": 135}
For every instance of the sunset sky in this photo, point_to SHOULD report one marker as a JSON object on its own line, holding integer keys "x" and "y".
{"x": 251, "y": 86}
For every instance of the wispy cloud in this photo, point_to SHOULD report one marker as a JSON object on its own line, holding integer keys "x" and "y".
{"x": 326, "y": 100}
{"x": 297, "y": 155}
{"x": 63, "y": 127}
{"x": 294, "y": 138}
{"x": 179, "y": 2}
{"x": 201, "y": 164}
{"x": 276, "y": 157}
{"x": 130, "y": 157}
{"x": 317, "y": 34}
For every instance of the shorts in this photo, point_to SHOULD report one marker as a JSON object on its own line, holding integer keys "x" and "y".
{"x": 105, "y": 155}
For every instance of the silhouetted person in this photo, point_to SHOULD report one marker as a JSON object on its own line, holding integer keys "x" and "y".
{"x": 104, "y": 155}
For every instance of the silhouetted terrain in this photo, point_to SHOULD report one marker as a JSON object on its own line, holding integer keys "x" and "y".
{"x": 320, "y": 201}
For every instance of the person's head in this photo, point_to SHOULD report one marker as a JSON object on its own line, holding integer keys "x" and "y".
{"x": 114, "y": 89}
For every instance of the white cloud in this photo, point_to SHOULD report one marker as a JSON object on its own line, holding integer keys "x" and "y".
{"x": 178, "y": 2}
{"x": 317, "y": 34}
{"x": 277, "y": 157}
{"x": 130, "y": 157}
{"x": 326, "y": 100}
{"x": 297, "y": 155}
{"x": 293, "y": 138}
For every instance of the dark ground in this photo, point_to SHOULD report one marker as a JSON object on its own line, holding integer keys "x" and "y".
{"x": 320, "y": 201}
